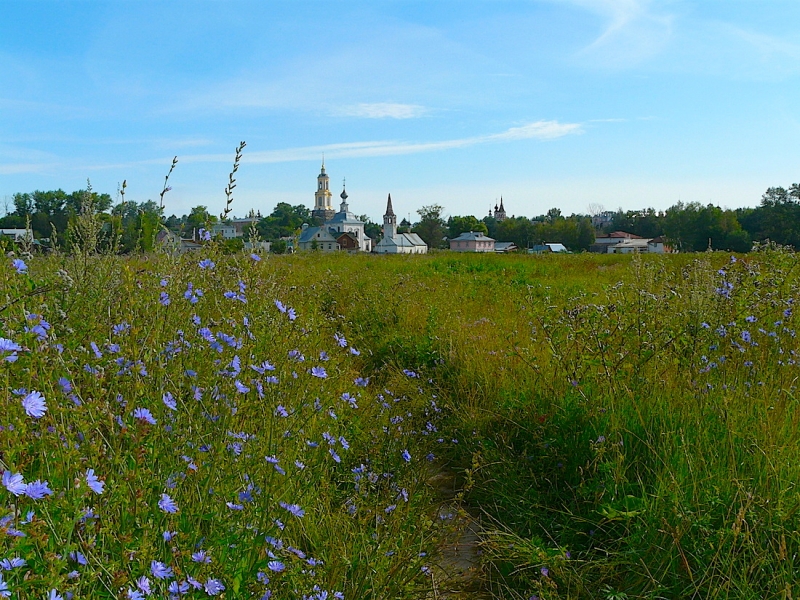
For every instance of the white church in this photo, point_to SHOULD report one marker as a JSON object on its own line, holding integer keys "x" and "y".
{"x": 341, "y": 230}
{"x": 398, "y": 243}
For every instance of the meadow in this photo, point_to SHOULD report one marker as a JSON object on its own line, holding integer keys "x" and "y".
{"x": 270, "y": 426}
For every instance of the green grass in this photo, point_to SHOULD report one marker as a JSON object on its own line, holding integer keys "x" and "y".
{"x": 611, "y": 440}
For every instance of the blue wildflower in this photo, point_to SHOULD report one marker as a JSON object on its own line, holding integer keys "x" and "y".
{"x": 145, "y": 415}
{"x": 406, "y": 455}
{"x": 37, "y": 490}
{"x": 160, "y": 570}
{"x": 276, "y": 566}
{"x": 93, "y": 482}
{"x": 319, "y": 372}
{"x": 14, "y": 483}
{"x": 167, "y": 504}
{"x": 214, "y": 587}
{"x": 293, "y": 508}
{"x": 34, "y": 405}
{"x": 19, "y": 265}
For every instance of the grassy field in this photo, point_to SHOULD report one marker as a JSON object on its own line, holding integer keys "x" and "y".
{"x": 621, "y": 427}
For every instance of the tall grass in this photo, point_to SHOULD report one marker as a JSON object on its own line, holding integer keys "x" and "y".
{"x": 623, "y": 427}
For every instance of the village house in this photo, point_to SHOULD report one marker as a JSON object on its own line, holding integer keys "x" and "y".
{"x": 504, "y": 247}
{"x": 472, "y": 241}
{"x": 547, "y": 248}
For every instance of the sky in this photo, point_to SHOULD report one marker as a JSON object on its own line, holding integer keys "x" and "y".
{"x": 574, "y": 104}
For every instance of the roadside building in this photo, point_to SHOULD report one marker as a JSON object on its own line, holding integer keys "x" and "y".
{"x": 472, "y": 241}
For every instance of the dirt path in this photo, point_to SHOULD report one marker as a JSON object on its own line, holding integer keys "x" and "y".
{"x": 457, "y": 573}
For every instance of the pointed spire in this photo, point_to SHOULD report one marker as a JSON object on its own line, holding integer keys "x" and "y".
{"x": 389, "y": 211}
{"x": 501, "y": 205}
{"x": 323, "y": 163}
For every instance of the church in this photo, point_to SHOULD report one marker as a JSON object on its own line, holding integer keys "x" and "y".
{"x": 341, "y": 230}
{"x": 398, "y": 243}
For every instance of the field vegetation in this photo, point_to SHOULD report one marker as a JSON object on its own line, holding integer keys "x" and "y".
{"x": 238, "y": 425}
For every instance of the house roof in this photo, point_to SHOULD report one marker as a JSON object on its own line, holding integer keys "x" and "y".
{"x": 472, "y": 236}
{"x": 504, "y": 246}
{"x": 403, "y": 240}
{"x": 624, "y": 234}
{"x": 310, "y": 233}
{"x": 630, "y": 243}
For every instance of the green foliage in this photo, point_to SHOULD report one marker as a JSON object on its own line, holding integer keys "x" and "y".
{"x": 431, "y": 227}
{"x": 458, "y": 225}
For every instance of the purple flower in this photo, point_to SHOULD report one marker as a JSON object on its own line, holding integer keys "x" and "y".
{"x": 168, "y": 535}
{"x": 19, "y": 265}
{"x": 145, "y": 415}
{"x": 169, "y": 401}
{"x": 255, "y": 257}
{"x": 164, "y": 299}
{"x": 143, "y": 583}
{"x": 12, "y": 563}
{"x": 14, "y": 483}
{"x": 37, "y": 490}
{"x": 335, "y": 456}
{"x": 214, "y": 587}
{"x": 4, "y": 591}
{"x": 319, "y": 372}
{"x": 167, "y": 504}
{"x": 93, "y": 482}
{"x": 160, "y": 570}
{"x": 281, "y": 306}
{"x": 276, "y": 566}
{"x": 134, "y": 594}
{"x": 201, "y": 557}
{"x": 340, "y": 339}
{"x": 293, "y": 508}
{"x": 78, "y": 557}
{"x": 240, "y": 387}
{"x": 54, "y": 595}
{"x": 291, "y": 314}
{"x": 34, "y": 405}
{"x": 178, "y": 589}
{"x": 206, "y": 263}
{"x": 406, "y": 456}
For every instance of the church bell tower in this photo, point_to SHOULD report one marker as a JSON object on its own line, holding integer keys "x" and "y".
{"x": 323, "y": 209}
{"x": 389, "y": 221}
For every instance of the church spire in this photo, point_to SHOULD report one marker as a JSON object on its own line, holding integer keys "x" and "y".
{"x": 389, "y": 221}
{"x": 389, "y": 210}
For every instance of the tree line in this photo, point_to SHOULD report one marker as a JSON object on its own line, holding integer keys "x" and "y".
{"x": 686, "y": 227}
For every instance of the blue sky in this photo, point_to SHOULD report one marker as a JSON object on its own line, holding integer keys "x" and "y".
{"x": 619, "y": 103}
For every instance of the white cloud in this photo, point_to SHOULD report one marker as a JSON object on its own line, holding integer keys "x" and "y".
{"x": 541, "y": 130}
{"x": 381, "y": 110}
{"x": 633, "y": 31}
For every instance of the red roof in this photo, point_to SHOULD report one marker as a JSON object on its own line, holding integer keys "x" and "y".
{"x": 624, "y": 234}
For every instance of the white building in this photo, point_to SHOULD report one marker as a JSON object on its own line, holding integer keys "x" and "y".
{"x": 398, "y": 243}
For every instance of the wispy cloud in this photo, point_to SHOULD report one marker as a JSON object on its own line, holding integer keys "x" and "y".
{"x": 633, "y": 31}
{"x": 381, "y": 110}
{"x": 541, "y": 130}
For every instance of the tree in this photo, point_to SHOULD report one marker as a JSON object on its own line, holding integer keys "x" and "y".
{"x": 23, "y": 204}
{"x": 431, "y": 227}
{"x": 458, "y": 225}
